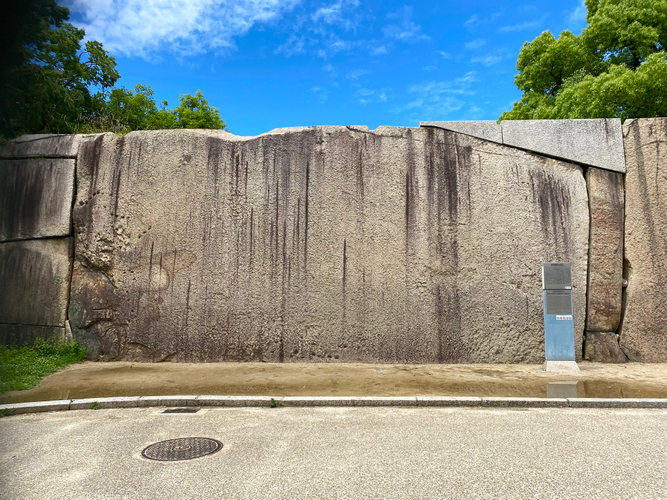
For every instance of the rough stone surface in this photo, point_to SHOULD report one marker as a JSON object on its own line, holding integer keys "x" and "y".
{"x": 167, "y": 401}
{"x": 41, "y": 145}
{"x": 644, "y": 328}
{"x": 320, "y": 244}
{"x": 27, "y": 334}
{"x": 597, "y": 142}
{"x": 605, "y": 255}
{"x": 35, "y": 198}
{"x": 603, "y": 347}
{"x": 34, "y": 281}
{"x": 488, "y": 130}
{"x": 36, "y": 407}
{"x": 525, "y": 402}
{"x": 449, "y": 401}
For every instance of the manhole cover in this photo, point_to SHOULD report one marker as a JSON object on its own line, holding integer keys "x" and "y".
{"x": 181, "y": 449}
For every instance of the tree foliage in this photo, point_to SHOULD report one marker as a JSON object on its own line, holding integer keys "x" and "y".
{"x": 51, "y": 83}
{"x": 615, "y": 68}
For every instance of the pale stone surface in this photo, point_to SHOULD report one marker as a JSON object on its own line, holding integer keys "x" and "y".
{"x": 525, "y": 402}
{"x": 105, "y": 403}
{"x": 561, "y": 366}
{"x": 644, "y": 328}
{"x": 603, "y": 347}
{"x": 488, "y": 130}
{"x": 605, "y": 255}
{"x": 597, "y": 142}
{"x": 41, "y": 145}
{"x": 167, "y": 401}
{"x": 347, "y": 401}
{"x": 448, "y": 401}
{"x": 27, "y": 334}
{"x": 34, "y": 281}
{"x": 35, "y": 407}
{"x": 35, "y": 198}
{"x": 236, "y": 400}
{"x": 617, "y": 403}
{"x": 321, "y": 244}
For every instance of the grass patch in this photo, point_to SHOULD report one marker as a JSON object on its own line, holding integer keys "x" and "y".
{"x": 23, "y": 367}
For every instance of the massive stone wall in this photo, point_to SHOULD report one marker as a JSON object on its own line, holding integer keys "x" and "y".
{"x": 36, "y": 248}
{"x": 644, "y": 329}
{"x": 397, "y": 245}
{"x": 418, "y": 245}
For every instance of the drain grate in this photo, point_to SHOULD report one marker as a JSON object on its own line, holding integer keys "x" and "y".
{"x": 174, "y": 450}
{"x": 181, "y": 410}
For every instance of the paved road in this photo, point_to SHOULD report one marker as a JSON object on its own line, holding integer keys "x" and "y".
{"x": 337, "y": 453}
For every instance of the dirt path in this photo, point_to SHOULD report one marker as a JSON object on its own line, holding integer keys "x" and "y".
{"x": 97, "y": 379}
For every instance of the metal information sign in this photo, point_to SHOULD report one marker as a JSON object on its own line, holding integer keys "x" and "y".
{"x": 558, "y": 317}
{"x": 557, "y": 276}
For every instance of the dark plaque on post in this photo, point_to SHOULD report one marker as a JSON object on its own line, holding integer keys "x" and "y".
{"x": 557, "y": 276}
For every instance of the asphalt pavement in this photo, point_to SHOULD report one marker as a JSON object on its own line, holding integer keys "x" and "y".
{"x": 339, "y": 453}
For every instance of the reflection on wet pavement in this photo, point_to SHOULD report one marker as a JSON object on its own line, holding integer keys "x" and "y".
{"x": 562, "y": 389}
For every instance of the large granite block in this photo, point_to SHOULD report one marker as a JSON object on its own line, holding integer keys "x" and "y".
{"x": 35, "y": 198}
{"x": 41, "y": 145}
{"x": 605, "y": 255}
{"x": 598, "y": 143}
{"x": 488, "y": 130}
{"x": 644, "y": 328}
{"x": 27, "y": 334}
{"x": 34, "y": 281}
{"x": 321, "y": 244}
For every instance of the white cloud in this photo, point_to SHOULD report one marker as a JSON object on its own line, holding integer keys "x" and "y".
{"x": 354, "y": 75}
{"x": 293, "y": 46}
{"x": 430, "y": 68}
{"x": 526, "y": 8}
{"x": 321, "y": 93}
{"x": 579, "y": 14}
{"x": 444, "y": 55}
{"x": 405, "y": 30}
{"x": 331, "y": 70}
{"x": 524, "y": 26}
{"x": 183, "y": 27}
{"x": 379, "y": 51}
{"x": 487, "y": 60}
{"x": 476, "y": 44}
{"x": 475, "y": 21}
{"x": 438, "y": 99}
{"x": 368, "y": 96}
{"x": 334, "y": 13}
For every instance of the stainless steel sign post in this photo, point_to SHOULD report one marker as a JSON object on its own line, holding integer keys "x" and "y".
{"x": 558, "y": 317}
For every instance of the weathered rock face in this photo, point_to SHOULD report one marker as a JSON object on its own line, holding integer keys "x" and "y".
{"x": 35, "y": 198}
{"x": 603, "y": 347}
{"x": 644, "y": 327}
{"x": 41, "y": 146}
{"x": 397, "y": 245}
{"x": 605, "y": 262}
{"x": 35, "y": 276}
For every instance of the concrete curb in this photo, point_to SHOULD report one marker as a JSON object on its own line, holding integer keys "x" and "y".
{"x": 331, "y": 401}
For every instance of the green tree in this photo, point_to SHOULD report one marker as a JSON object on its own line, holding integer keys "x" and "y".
{"x": 49, "y": 81}
{"x": 194, "y": 112}
{"x": 616, "y": 68}
{"x": 137, "y": 110}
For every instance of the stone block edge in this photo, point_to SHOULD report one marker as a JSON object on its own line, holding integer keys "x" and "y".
{"x": 327, "y": 401}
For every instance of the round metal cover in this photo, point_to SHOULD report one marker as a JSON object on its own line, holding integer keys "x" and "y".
{"x": 173, "y": 450}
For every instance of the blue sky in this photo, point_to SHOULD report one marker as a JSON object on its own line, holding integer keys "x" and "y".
{"x": 279, "y": 63}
